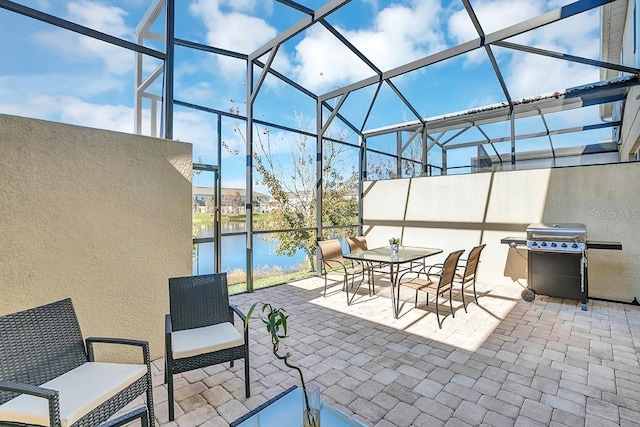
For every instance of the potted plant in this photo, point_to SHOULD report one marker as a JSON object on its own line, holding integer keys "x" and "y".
{"x": 394, "y": 242}
{"x": 275, "y": 319}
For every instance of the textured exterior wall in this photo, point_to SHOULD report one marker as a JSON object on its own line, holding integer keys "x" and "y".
{"x": 101, "y": 217}
{"x": 461, "y": 211}
{"x": 630, "y": 132}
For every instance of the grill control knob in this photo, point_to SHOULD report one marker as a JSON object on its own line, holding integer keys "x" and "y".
{"x": 553, "y": 245}
{"x": 564, "y": 245}
{"x": 575, "y": 245}
{"x": 543, "y": 244}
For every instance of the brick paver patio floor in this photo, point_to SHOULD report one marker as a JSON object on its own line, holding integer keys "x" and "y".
{"x": 505, "y": 362}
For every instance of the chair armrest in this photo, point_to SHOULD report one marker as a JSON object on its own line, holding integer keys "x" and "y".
{"x": 168, "y": 328}
{"x": 141, "y": 413}
{"x": 340, "y": 264}
{"x": 416, "y": 273}
{"x": 33, "y": 390}
{"x": 235, "y": 309}
{"x": 425, "y": 270}
{"x": 144, "y": 345}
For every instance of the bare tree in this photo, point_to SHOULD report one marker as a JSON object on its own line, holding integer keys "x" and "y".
{"x": 290, "y": 177}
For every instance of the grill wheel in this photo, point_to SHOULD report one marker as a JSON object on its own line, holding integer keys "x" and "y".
{"x": 528, "y": 295}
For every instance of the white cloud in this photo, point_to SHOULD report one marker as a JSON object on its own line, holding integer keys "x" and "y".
{"x": 69, "y": 109}
{"x": 43, "y": 5}
{"x": 229, "y": 27}
{"x": 195, "y": 127}
{"x": 18, "y": 89}
{"x": 75, "y": 47}
{"x": 101, "y": 116}
{"x": 108, "y": 19}
{"x": 529, "y": 74}
{"x": 398, "y": 35}
{"x": 461, "y": 28}
{"x": 232, "y": 30}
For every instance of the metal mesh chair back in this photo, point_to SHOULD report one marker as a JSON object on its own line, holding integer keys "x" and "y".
{"x": 449, "y": 269}
{"x": 472, "y": 262}
{"x": 331, "y": 250}
{"x": 58, "y": 348}
{"x": 197, "y": 301}
{"x": 357, "y": 244}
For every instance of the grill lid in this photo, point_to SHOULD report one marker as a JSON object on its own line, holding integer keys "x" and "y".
{"x": 557, "y": 228}
{"x": 557, "y": 237}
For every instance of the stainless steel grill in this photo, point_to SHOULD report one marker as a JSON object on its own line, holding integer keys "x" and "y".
{"x": 555, "y": 237}
{"x": 557, "y": 261}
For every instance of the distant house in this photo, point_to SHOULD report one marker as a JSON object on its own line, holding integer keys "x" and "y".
{"x": 233, "y": 200}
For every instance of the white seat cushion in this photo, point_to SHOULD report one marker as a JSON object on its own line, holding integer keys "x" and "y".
{"x": 80, "y": 391}
{"x": 192, "y": 342}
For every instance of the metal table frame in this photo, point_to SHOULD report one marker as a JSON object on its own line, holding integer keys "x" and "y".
{"x": 285, "y": 409}
{"x": 406, "y": 254}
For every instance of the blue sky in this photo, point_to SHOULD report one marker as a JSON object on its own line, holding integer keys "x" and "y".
{"x": 52, "y": 74}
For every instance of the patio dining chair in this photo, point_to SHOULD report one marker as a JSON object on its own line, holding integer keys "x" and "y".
{"x": 438, "y": 283}
{"x": 49, "y": 375}
{"x": 466, "y": 272}
{"x": 359, "y": 244}
{"x": 333, "y": 261}
{"x": 199, "y": 329}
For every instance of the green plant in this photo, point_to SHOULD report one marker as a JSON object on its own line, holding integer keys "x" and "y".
{"x": 275, "y": 319}
{"x": 394, "y": 241}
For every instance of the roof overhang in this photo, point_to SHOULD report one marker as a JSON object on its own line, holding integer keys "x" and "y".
{"x": 582, "y": 96}
{"x": 613, "y": 17}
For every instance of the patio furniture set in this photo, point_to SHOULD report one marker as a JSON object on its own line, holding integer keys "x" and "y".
{"x": 399, "y": 264}
{"x": 49, "y": 375}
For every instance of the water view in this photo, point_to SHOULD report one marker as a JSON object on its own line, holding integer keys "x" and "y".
{"x": 234, "y": 252}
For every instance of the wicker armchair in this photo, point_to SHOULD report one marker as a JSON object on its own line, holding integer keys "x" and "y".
{"x": 49, "y": 378}
{"x": 199, "y": 329}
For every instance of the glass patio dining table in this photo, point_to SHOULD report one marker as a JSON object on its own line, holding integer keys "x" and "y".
{"x": 383, "y": 256}
{"x": 285, "y": 410}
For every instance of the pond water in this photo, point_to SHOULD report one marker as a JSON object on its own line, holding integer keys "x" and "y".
{"x": 234, "y": 252}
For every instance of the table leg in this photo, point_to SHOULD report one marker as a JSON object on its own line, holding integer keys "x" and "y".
{"x": 392, "y": 285}
{"x": 397, "y": 285}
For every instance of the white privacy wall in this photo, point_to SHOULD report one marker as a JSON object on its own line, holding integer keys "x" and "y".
{"x": 462, "y": 211}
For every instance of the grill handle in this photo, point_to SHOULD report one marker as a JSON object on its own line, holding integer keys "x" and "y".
{"x": 575, "y": 238}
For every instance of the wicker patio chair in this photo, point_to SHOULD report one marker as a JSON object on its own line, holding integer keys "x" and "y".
{"x": 49, "y": 378}
{"x": 199, "y": 329}
{"x": 333, "y": 261}
{"x": 443, "y": 284}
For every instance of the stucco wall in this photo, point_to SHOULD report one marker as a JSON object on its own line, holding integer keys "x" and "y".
{"x": 461, "y": 211}
{"x": 630, "y": 132}
{"x": 101, "y": 217}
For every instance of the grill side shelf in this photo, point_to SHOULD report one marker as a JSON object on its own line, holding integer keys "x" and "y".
{"x": 591, "y": 244}
{"x": 520, "y": 241}
{"x": 601, "y": 244}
